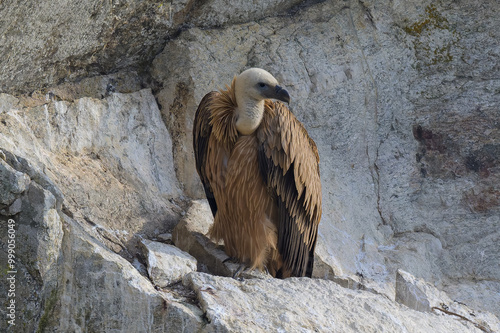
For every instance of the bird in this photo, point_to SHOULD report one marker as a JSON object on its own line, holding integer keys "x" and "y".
{"x": 260, "y": 172}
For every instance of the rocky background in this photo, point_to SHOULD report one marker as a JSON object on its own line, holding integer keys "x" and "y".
{"x": 97, "y": 100}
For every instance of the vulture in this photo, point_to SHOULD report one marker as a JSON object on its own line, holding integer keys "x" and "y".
{"x": 260, "y": 172}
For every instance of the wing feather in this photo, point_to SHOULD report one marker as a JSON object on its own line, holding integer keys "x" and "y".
{"x": 202, "y": 129}
{"x": 289, "y": 164}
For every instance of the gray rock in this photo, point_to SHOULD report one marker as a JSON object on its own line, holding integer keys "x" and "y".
{"x": 190, "y": 235}
{"x": 114, "y": 296}
{"x": 36, "y": 242}
{"x": 36, "y": 174}
{"x": 402, "y": 102}
{"x": 307, "y": 305}
{"x": 408, "y": 293}
{"x": 401, "y": 98}
{"x": 110, "y": 157}
{"x": 12, "y": 183}
{"x": 422, "y": 296}
{"x": 68, "y": 281}
{"x": 166, "y": 264}
{"x": 38, "y": 224}
{"x": 15, "y": 207}
{"x": 166, "y": 237}
{"x": 60, "y": 41}
{"x": 7, "y": 102}
{"x": 217, "y": 13}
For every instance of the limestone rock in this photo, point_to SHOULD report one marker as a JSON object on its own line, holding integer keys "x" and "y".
{"x": 7, "y": 102}
{"x": 216, "y": 13}
{"x": 37, "y": 241}
{"x": 12, "y": 183}
{"x": 166, "y": 264}
{"x": 110, "y": 157}
{"x": 116, "y": 296}
{"x": 190, "y": 235}
{"x": 409, "y": 294}
{"x": 69, "y": 281}
{"x": 90, "y": 37}
{"x": 307, "y": 305}
{"x": 166, "y": 237}
{"x": 103, "y": 37}
{"x": 38, "y": 223}
{"x": 401, "y": 99}
{"x": 421, "y": 296}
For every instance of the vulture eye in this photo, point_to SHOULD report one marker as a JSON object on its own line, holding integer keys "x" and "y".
{"x": 261, "y": 84}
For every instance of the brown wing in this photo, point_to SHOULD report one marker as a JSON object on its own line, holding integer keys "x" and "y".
{"x": 201, "y": 134}
{"x": 289, "y": 164}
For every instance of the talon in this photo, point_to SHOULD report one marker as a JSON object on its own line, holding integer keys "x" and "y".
{"x": 238, "y": 272}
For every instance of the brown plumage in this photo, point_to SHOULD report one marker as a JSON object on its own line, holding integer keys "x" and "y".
{"x": 260, "y": 172}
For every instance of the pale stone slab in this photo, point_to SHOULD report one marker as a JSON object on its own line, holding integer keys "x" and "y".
{"x": 166, "y": 264}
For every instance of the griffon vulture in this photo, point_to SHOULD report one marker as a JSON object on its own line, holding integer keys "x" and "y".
{"x": 260, "y": 172}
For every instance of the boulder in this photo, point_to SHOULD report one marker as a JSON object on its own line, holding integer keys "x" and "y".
{"x": 166, "y": 264}
{"x": 190, "y": 235}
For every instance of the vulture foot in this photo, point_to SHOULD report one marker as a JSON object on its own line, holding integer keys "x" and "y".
{"x": 237, "y": 274}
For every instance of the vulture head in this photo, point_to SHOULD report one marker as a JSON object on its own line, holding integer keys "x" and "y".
{"x": 252, "y": 87}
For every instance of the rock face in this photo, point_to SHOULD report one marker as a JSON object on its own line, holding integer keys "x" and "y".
{"x": 116, "y": 297}
{"x": 59, "y": 41}
{"x": 30, "y": 258}
{"x": 97, "y": 101}
{"x": 110, "y": 157}
{"x": 406, "y": 127}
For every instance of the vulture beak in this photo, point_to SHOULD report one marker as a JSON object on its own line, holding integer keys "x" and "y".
{"x": 281, "y": 94}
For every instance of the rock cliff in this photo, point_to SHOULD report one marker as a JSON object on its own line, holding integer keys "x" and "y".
{"x": 97, "y": 101}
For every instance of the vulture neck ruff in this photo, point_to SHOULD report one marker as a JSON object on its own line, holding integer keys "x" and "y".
{"x": 223, "y": 116}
